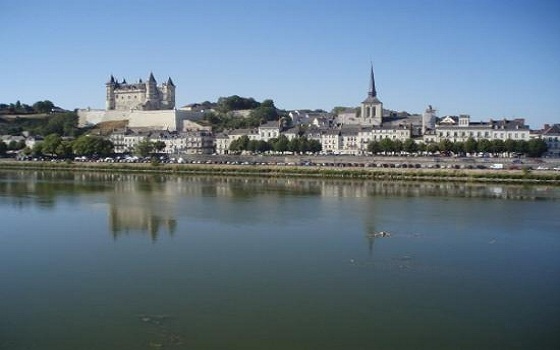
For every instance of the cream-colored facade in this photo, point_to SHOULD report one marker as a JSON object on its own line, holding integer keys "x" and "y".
{"x": 142, "y": 96}
{"x": 191, "y": 142}
{"x": 460, "y": 129}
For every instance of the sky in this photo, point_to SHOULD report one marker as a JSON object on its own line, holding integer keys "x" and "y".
{"x": 489, "y": 59}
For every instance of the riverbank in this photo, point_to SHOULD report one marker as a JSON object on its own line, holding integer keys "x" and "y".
{"x": 350, "y": 172}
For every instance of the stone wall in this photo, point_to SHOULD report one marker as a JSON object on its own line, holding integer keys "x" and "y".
{"x": 171, "y": 120}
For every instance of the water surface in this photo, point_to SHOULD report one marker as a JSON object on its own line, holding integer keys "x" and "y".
{"x": 99, "y": 261}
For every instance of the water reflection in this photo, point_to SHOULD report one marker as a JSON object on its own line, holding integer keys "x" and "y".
{"x": 148, "y": 203}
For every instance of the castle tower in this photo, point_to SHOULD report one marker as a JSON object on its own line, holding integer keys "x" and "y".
{"x": 372, "y": 108}
{"x": 428, "y": 119}
{"x": 168, "y": 94}
{"x": 110, "y": 97}
{"x": 152, "y": 93}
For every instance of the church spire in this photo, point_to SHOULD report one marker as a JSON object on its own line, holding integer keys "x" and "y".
{"x": 372, "y": 91}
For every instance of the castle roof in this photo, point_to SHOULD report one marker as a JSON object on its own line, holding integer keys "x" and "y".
{"x": 170, "y": 82}
{"x": 152, "y": 79}
{"x": 111, "y": 80}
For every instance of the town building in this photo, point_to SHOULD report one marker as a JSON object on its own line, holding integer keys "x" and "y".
{"x": 460, "y": 129}
{"x": 551, "y": 136}
{"x": 185, "y": 142}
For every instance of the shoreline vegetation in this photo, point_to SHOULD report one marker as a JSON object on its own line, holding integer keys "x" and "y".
{"x": 385, "y": 174}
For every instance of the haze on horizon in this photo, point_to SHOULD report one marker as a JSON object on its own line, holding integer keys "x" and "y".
{"x": 488, "y": 59}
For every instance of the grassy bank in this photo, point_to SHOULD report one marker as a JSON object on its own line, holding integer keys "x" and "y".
{"x": 391, "y": 174}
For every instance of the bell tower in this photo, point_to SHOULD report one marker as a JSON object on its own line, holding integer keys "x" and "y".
{"x": 372, "y": 108}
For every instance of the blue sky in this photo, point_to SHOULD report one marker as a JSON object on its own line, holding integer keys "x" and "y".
{"x": 489, "y": 59}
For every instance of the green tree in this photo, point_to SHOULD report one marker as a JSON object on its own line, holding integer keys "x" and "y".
{"x": 12, "y": 145}
{"x": 3, "y": 149}
{"x": 43, "y": 106}
{"x": 398, "y": 146}
{"x": 89, "y": 145}
{"x": 484, "y": 146}
{"x": 240, "y": 144}
{"x": 64, "y": 124}
{"x": 294, "y": 145}
{"x": 510, "y": 145}
{"x": 144, "y": 148}
{"x": 267, "y": 103}
{"x": 315, "y": 146}
{"x": 264, "y": 114}
{"x": 232, "y": 103}
{"x": 50, "y": 144}
{"x": 280, "y": 144}
{"x": 373, "y": 147}
{"x": 410, "y": 146}
{"x": 37, "y": 149}
{"x": 458, "y": 148}
{"x": 522, "y": 147}
{"x": 432, "y": 147}
{"x": 536, "y": 148}
{"x": 471, "y": 145}
{"x": 497, "y": 146}
{"x": 386, "y": 145}
{"x": 445, "y": 146}
{"x": 159, "y": 146}
{"x": 64, "y": 149}
{"x": 261, "y": 146}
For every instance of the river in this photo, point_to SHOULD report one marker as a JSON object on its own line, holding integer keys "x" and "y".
{"x": 122, "y": 261}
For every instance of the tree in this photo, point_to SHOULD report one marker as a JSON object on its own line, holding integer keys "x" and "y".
{"x": 398, "y": 146}
{"x": 432, "y": 147}
{"x": 280, "y": 144}
{"x": 268, "y": 103}
{"x": 536, "y": 148}
{"x": 264, "y": 114}
{"x": 159, "y": 146}
{"x": 240, "y": 144}
{"x": 315, "y": 146}
{"x": 64, "y": 149}
{"x": 232, "y": 103}
{"x": 410, "y": 146}
{"x": 484, "y": 146}
{"x": 522, "y": 146}
{"x": 458, "y": 148}
{"x": 471, "y": 145}
{"x": 50, "y": 144}
{"x": 64, "y": 124}
{"x": 261, "y": 146}
{"x": 88, "y": 145}
{"x": 43, "y": 106}
{"x": 12, "y": 145}
{"x": 445, "y": 146}
{"x": 3, "y": 149}
{"x": 37, "y": 149}
{"x": 144, "y": 148}
{"x": 373, "y": 147}
{"x": 386, "y": 145}
{"x": 294, "y": 145}
{"x": 497, "y": 146}
{"x": 510, "y": 145}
